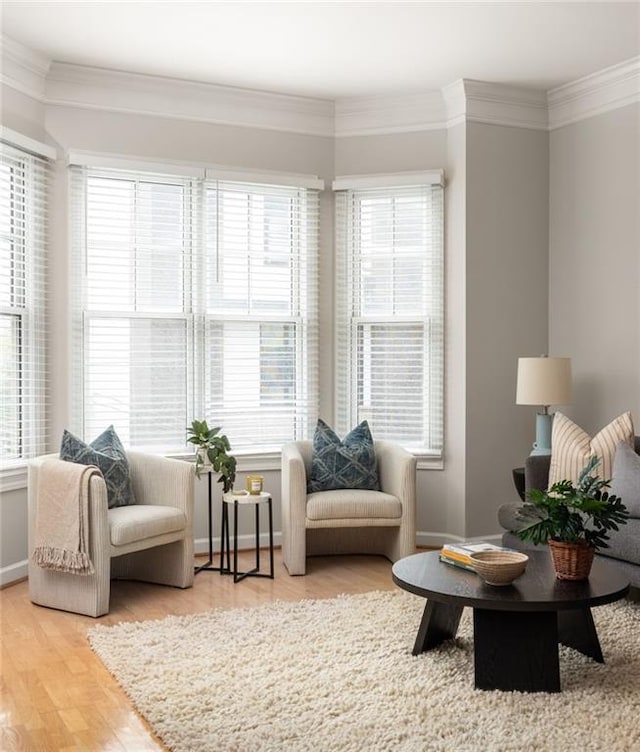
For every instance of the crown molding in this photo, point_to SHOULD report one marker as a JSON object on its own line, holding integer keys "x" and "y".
{"x": 367, "y": 116}
{"x": 24, "y": 69}
{"x": 601, "y": 92}
{"x": 98, "y": 88}
{"x": 495, "y": 104}
{"x": 499, "y": 104}
{"x": 455, "y": 101}
{"x": 462, "y": 101}
{"x": 465, "y": 100}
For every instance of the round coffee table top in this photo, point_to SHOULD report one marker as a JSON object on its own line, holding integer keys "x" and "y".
{"x": 537, "y": 589}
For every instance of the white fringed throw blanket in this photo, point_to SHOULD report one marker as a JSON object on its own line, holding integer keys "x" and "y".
{"x": 62, "y": 517}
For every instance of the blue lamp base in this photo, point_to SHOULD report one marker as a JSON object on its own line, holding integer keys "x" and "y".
{"x": 542, "y": 444}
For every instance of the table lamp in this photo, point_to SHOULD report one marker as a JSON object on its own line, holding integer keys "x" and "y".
{"x": 543, "y": 381}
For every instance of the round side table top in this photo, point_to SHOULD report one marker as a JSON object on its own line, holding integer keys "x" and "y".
{"x": 245, "y": 497}
{"x": 537, "y": 589}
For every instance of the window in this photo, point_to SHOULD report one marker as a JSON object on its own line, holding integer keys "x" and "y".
{"x": 197, "y": 298}
{"x": 389, "y": 331}
{"x": 23, "y": 179}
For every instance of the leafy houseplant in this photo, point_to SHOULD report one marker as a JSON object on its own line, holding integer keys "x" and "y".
{"x": 214, "y": 447}
{"x": 581, "y": 515}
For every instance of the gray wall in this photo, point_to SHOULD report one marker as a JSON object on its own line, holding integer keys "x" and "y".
{"x": 398, "y": 152}
{"x": 22, "y": 113}
{"x": 506, "y": 305}
{"x": 594, "y": 266}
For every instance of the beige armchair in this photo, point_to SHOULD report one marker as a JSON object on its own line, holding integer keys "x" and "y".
{"x": 348, "y": 520}
{"x": 151, "y": 540}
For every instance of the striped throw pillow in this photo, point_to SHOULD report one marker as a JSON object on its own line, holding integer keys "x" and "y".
{"x": 571, "y": 447}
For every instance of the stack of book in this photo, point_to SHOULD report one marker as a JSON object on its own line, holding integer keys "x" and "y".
{"x": 459, "y": 555}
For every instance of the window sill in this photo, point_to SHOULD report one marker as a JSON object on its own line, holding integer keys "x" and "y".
{"x": 246, "y": 461}
{"x": 429, "y": 462}
{"x": 15, "y": 478}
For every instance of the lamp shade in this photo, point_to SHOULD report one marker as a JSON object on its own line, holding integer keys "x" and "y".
{"x": 544, "y": 381}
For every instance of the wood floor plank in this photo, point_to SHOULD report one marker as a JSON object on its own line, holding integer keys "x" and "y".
{"x": 56, "y": 695}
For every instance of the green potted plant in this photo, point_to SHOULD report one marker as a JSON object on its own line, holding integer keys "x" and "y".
{"x": 212, "y": 449}
{"x": 574, "y": 520}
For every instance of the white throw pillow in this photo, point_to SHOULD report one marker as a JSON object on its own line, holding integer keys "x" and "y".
{"x": 571, "y": 447}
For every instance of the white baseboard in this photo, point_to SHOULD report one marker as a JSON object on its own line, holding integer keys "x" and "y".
{"x": 13, "y": 573}
{"x": 428, "y": 539}
{"x": 435, "y": 540}
{"x": 245, "y": 542}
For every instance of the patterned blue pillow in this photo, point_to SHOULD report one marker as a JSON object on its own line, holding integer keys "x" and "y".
{"x": 350, "y": 463}
{"x": 107, "y": 453}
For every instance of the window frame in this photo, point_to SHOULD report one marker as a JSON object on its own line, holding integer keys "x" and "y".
{"x": 198, "y": 315}
{"x": 25, "y": 211}
{"x": 351, "y": 358}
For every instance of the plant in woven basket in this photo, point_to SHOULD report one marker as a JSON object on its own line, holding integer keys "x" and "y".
{"x": 584, "y": 514}
{"x": 213, "y": 447}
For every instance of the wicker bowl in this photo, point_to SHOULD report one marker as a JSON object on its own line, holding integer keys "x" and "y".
{"x": 499, "y": 567}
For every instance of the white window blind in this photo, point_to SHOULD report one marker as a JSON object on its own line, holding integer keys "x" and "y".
{"x": 261, "y": 311}
{"x": 389, "y": 313}
{"x": 197, "y": 299}
{"x": 23, "y": 392}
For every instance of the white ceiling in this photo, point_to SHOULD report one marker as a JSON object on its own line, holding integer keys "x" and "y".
{"x": 335, "y": 49}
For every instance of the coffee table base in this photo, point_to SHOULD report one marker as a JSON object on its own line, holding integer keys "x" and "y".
{"x": 516, "y": 651}
{"x": 439, "y": 623}
{"x": 513, "y": 651}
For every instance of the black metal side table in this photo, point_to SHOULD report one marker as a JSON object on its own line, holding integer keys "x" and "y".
{"x": 208, "y": 566}
{"x": 236, "y": 501}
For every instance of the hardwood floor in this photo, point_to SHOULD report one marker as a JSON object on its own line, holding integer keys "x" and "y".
{"x": 55, "y": 694}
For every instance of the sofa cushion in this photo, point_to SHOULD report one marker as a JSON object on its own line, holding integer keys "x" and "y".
{"x": 349, "y": 503}
{"x": 624, "y": 543}
{"x": 625, "y": 481}
{"x": 347, "y": 463}
{"x": 508, "y": 515}
{"x": 142, "y": 521}
{"x": 571, "y": 447}
{"x": 108, "y": 455}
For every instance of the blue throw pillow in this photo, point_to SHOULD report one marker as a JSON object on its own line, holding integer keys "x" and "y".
{"x": 107, "y": 453}
{"x": 350, "y": 463}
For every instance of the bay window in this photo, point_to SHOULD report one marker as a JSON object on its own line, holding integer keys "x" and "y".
{"x": 195, "y": 298}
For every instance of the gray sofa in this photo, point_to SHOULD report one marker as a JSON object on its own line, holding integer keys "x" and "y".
{"x": 624, "y": 545}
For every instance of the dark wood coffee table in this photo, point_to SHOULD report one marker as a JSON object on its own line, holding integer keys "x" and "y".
{"x": 516, "y": 628}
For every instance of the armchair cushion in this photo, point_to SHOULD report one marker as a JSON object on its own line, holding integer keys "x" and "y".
{"x": 108, "y": 455}
{"x": 139, "y": 522}
{"x": 347, "y": 463}
{"x": 352, "y": 504}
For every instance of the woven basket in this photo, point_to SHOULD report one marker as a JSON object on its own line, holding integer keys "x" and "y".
{"x": 499, "y": 567}
{"x": 572, "y": 561}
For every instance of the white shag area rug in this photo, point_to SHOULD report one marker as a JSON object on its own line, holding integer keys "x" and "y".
{"x": 338, "y": 675}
